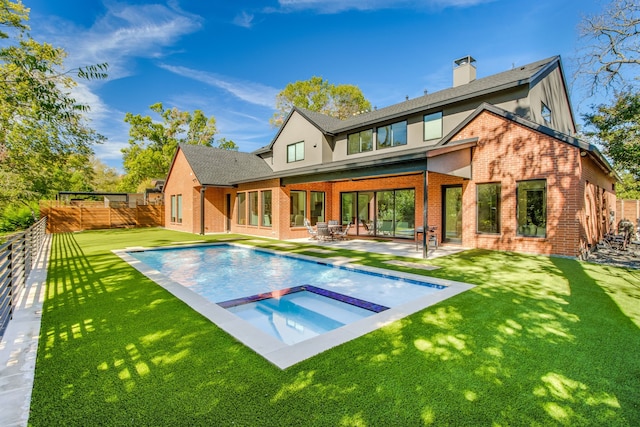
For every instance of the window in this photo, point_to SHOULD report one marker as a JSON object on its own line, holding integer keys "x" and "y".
{"x": 317, "y": 207}
{"x": 531, "y": 208}
{"x": 295, "y": 152}
{"x": 179, "y": 208}
{"x": 242, "y": 208}
{"x": 253, "y": 208}
{"x": 360, "y": 142}
{"x": 173, "y": 208}
{"x": 433, "y": 126}
{"x": 546, "y": 114}
{"x": 176, "y": 209}
{"x": 298, "y": 206}
{"x": 488, "y": 208}
{"x": 392, "y": 135}
{"x": 266, "y": 208}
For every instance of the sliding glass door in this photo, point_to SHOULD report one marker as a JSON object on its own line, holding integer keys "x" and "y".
{"x": 388, "y": 213}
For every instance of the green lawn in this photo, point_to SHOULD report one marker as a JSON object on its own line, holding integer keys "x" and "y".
{"x": 540, "y": 341}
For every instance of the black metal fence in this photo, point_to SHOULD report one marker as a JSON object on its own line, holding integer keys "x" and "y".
{"x": 17, "y": 257}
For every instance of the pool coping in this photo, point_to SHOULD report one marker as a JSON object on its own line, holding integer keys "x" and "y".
{"x": 275, "y": 351}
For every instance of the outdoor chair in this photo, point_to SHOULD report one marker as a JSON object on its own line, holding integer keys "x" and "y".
{"x": 322, "y": 230}
{"x": 342, "y": 235}
{"x": 312, "y": 233}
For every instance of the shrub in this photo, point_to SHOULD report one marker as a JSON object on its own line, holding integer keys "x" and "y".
{"x": 16, "y": 218}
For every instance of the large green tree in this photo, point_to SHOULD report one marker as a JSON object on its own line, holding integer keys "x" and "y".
{"x": 317, "y": 94}
{"x": 616, "y": 128}
{"x": 152, "y": 144}
{"x": 44, "y": 137}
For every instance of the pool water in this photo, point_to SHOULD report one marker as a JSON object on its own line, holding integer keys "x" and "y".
{"x": 289, "y": 298}
{"x": 298, "y": 316}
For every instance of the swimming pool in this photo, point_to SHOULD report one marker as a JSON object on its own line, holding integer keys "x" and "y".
{"x": 241, "y": 276}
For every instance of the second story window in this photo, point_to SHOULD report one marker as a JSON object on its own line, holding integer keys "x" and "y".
{"x": 392, "y": 135}
{"x": 360, "y": 142}
{"x": 546, "y": 114}
{"x": 433, "y": 126}
{"x": 295, "y": 152}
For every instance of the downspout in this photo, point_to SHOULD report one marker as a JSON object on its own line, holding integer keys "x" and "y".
{"x": 202, "y": 191}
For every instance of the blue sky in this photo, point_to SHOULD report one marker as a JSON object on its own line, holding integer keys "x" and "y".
{"x": 230, "y": 58}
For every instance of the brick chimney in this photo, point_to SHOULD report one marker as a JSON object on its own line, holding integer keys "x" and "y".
{"x": 463, "y": 71}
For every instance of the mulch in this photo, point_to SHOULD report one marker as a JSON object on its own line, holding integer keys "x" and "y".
{"x": 629, "y": 257}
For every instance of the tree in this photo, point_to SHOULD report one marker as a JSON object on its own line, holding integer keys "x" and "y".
{"x": 612, "y": 45}
{"x": 617, "y": 130}
{"x": 44, "y": 138}
{"x": 317, "y": 94}
{"x": 152, "y": 144}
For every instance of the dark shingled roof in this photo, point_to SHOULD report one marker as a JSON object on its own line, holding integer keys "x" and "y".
{"x": 214, "y": 166}
{"x": 507, "y": 79}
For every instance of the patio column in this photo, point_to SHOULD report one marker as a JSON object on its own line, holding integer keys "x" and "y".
{"x": 425, "y": 198}
{"x": 202, "y": 198}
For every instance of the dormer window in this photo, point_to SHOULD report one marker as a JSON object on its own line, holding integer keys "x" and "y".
{"x": 392, "y": 135}
{"x": 295, "y": 152}
{"x": 546, "y": 114}
{"x": 433, "y": 126}
{"x": 360, "y": 142}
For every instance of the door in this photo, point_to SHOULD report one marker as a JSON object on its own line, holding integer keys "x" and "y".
{"x": 452, "y": 214}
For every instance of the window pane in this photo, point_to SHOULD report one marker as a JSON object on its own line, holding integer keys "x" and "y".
{"x": 242, "y": 208}
{"x": 532, "y": 208}
{"x": 299, "y": 151}
{"x": 179, "y": 208}
{"x": 291, "y": 153}
{"x": 253, "y": 208}
{"x": 348, "y": 208}
{"x": 433, "y": 126}
{"x": 353, "y": 143}
{"x": 317, "y": 207}
{"x": 298, "y": 202}
{"x": 266, "y": 208}
{"x": 173, "y": 208}
{"x": 488, "y": 205}
{"x": 384, "y": 136}
{"x": 399, "y": 131}
{"x": 366, "y": 140}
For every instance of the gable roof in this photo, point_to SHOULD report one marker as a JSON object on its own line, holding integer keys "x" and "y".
{"x": 526, "y": 75}
{"x": 217, "y": 167}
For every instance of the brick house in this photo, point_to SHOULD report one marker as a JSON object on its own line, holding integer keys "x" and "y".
{"x": 491, "y": 163}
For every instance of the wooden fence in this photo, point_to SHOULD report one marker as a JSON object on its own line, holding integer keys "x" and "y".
{"x": 628, "y": 209}
{"x": 17, "y": 257}
{"x": 63, "y": 219}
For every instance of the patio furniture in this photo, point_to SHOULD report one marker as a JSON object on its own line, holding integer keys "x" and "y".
{"x": 342, "y": 235}
{"x": 323, "y": 233}
{"x": 313, "y": 233}
{"x": 367, "y": 226}
{"x": 432, "y": 237}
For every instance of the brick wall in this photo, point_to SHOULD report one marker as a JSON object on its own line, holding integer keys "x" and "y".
{"x": 181, "y": 180}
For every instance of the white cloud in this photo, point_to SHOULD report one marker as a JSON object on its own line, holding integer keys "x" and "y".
{"x": 253, "y": 93}
{"x": 337, "y": 6}
{"x": 244, "y": 19}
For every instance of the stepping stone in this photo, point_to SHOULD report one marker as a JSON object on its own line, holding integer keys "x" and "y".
{"x": 412, "y": 265}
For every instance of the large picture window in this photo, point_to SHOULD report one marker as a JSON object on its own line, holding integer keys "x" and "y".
{"x": 298, "y": 202}
{"x": 266, "y": 208}
{"x": 531, "y": 208}
{"x": 433, "y": 126}
{"x": 488, "y": 208}
{"x": 360, "y": 142}
{"x": 242, "y": 208}
{"x": 253, "y": 208}
{"x": 392, "y": 135}
{"x": 295, "y": 152}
